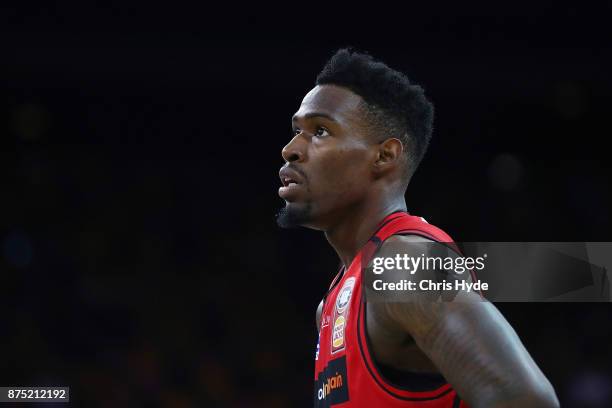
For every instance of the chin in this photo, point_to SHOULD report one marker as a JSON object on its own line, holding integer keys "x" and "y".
{"x": 295, "y": 215}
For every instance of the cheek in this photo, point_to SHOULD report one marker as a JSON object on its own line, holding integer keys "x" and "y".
{"x": 346, "y": 170}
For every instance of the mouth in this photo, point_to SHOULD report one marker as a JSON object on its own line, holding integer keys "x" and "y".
{"x": 291, "y": 183}
{"x": 288, "y": 181}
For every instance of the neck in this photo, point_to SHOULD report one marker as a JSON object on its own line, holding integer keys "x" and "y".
{"x": 351, "y": 232}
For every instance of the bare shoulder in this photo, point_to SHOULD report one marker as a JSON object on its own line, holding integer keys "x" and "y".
{"x": 465, "y": 336}
{"x": 416, "y": 308}
{"x": 419, "y": 258}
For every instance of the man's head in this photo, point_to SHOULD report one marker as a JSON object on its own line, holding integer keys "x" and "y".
{"x": 357, "y": 136}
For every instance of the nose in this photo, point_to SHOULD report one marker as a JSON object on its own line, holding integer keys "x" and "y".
{"x": 294, "y": 150}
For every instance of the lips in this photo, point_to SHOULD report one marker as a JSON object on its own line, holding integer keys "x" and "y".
{"x": 288, "y": 181}
{"x": 289, "y": 176}
{"x": 291, "y": 183}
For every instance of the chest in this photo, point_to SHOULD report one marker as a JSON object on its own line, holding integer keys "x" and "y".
{"x": 338, "y": 316}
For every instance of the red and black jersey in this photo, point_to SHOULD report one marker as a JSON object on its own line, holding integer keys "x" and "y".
{"x": 345, "y": 373}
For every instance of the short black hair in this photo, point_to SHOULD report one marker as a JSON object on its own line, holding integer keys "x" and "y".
{"x": 394, "y": 106}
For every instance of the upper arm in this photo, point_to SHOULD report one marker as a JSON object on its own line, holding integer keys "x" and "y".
{"x": 475, "y": 349}
{"x": 472, "y": 345}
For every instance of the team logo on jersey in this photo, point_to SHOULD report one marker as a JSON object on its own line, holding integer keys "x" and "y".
{"x": 344, "y": 296}
{"x": 338, "y": 333}
{"x": 331, "y": 385}
{"x": 340, "y": 317}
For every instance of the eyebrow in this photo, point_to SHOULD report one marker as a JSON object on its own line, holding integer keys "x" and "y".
{"x": 313, "y": 115}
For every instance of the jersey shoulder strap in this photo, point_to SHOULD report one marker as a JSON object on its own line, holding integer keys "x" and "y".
{"x": 404, "y": 223}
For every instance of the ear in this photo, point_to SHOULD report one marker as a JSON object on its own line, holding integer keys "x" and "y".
{"x": 388, "y": 155}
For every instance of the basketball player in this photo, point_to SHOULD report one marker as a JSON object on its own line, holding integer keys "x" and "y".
{"x": 358, "y": 138}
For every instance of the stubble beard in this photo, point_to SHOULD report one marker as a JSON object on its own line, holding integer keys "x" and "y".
{"x": 293, "y": 216}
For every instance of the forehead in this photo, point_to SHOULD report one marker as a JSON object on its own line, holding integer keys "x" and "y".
{"x": 340, "y": 103}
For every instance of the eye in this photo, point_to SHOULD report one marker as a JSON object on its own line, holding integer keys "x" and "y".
{"x": 321, "y": 132}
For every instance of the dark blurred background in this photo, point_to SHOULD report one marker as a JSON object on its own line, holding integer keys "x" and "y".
{"x": 140, "y": 262}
